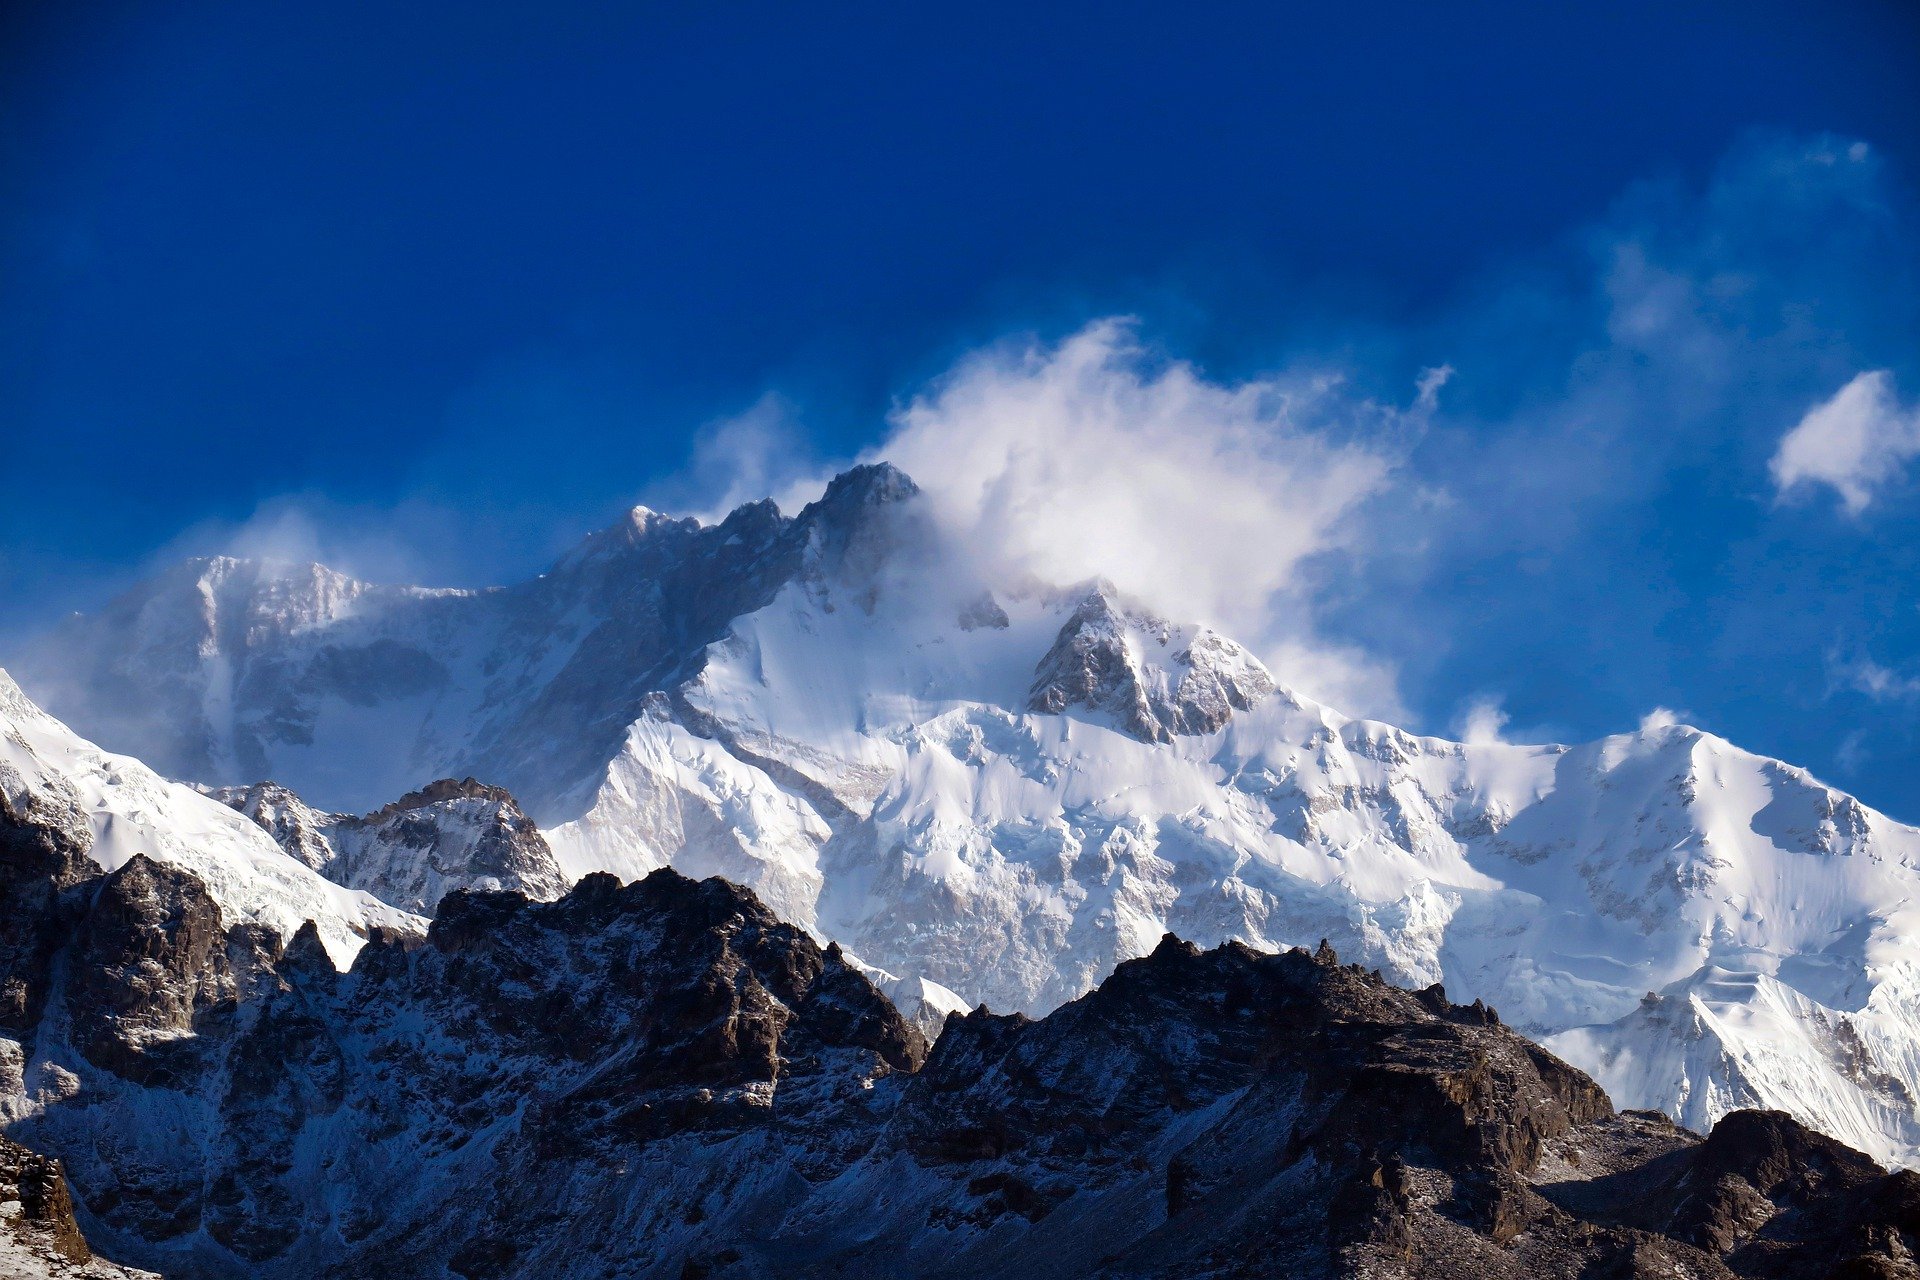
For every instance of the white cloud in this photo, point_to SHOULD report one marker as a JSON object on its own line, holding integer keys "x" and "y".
{"x": 1882, "y": 684}
{"x": 1852, "y": 754}
{"x": 1662, "y": 718}
{"x": 1093, "y": 458}
{"x": 1638, "y": 347}
{"x": 1483, "y": 721}
{"x": 1856, "y": 442}
{"x": 1345, "y": 677}
{"x": 759, "y": 453}
{"x": 1428, "y": 386}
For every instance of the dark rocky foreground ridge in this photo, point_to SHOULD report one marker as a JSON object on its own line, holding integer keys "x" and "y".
{"x": 662, "y": 1079}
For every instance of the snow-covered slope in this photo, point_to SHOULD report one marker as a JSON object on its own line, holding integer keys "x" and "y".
{"x": 1016, "y": 857}
{"x": 118, "y": 808}
{"x": 1006, "y": 789}
{"x": 448, "y": 835}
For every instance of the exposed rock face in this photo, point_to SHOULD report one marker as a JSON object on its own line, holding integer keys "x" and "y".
{"x": 147, "y": 963}
{"x": 69, "y": 811}
{"x": 294, "y": 825}
{"x": 39, "y": 1237}
{"x": 43, "y": 852}
{"x": 233, "y": 1107}
{"x": 1155, "y": 679}
{"x": 36, "y": 1192}
{"x": 662, "y": 1079}
{"x": 410, "y": 853}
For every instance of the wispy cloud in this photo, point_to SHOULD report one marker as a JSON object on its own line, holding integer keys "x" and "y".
{"x": 1856, "y": 442}
{"x": 1880, "y": 683}
{"x": 1410, "y": 493}
{"x": 1096, "y": 456}
{"x": 762, "y": 452}
{"x": 1482, "y": 721}
{"x": 1428, "y": 386}
{"x": 1662, "y": 718}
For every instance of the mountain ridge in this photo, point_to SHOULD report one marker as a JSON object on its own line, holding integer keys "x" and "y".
{"x": 966, "y": 789}
{"x": 409, "y": 853}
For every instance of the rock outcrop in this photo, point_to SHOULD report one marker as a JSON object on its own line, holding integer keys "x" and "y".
{"x": 450, "y": 834}
{"x": 1157, "y": 680}
{"x": 1003, "y": 786}
{"x": 39, "y": 1236}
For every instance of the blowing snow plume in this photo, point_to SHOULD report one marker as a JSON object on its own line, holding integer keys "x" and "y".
{"x": 1093, "y": 458}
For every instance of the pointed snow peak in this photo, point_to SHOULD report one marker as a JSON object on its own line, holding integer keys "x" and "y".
{"x": 864, "y": 521}
{"x": 1157, "y": 680}
{"x": 14, "y": 701}
{"x": 209, "y": 569}
{"x": 752, "y": 528}
{"x": 451, "y": 834}
{"x": 227, "y": 573}
{"x": 444, "y": 790}
{"x": 640, "y": 513}
{"x": 229, "y": 599}
{"x": 642, "y": 521}
{"x": 638, "y": 527}
{"x": 854, "y": 494}
{"x": 295, "y": 827}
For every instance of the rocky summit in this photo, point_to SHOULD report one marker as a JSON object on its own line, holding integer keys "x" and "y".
{"x": 661, "y": 1078}
{"x": 409, "y": 853}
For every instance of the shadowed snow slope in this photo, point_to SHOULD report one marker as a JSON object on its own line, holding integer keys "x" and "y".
{"x": 1008, "y": 788}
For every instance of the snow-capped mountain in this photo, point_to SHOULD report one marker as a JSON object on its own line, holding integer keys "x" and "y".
{"x": 1004, "y": 789}
{"x": 110, "y": 809}
{"x": 410, "y": 853}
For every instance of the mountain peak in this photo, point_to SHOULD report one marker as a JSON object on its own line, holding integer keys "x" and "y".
{"x": 870, "y": 484}
{"x": 733, "y": 699}
{"x": 14, "y": 700}
{"x": 450, "y": 834}
{"x": 1156, "y": 679}
{"x": 638, "y": 1053}
{"x": 224, "y": 572}
{"x": 636, "y": 527}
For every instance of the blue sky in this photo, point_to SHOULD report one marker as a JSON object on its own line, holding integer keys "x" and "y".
{"x": 431, "y": 293}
